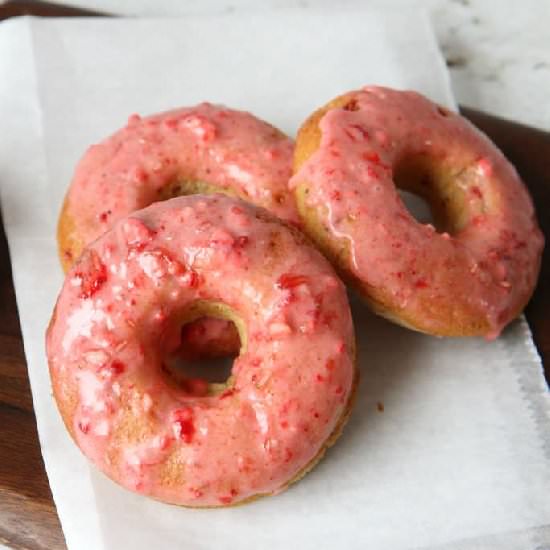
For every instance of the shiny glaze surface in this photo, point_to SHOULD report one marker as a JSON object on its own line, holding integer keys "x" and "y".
{"x": 149, "y": 159}
{"x": 146, "y": 160}
{"x": 119, "y": 315}
{"x": 489, "y": 262}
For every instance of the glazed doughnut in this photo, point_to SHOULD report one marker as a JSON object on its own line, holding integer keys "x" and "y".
{"x": 120, "y": 312}
{"x": 471, "y": 276}
{"x": 206, "y": 148}
{"x": 203, "y": 148}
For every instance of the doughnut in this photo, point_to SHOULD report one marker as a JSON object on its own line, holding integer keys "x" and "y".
{"x": 204, "y": 148}
{"x": 120, "y": 312}
{"x": 469, "y": 275}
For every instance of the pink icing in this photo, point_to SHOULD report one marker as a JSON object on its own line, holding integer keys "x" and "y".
{"x": 490, "y": 264}
{"x": 226, "y": 148}
{"x": 116, "y": 318}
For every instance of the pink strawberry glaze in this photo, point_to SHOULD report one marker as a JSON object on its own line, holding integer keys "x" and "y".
{"x": 224, "y": 147}
{"x": 291, "y": 384}
{"x": 491, "y": 262}
{"x": 227, "y": 148}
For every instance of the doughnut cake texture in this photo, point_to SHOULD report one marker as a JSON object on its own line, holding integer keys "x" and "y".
{"x": 205, "y": 148}
{"x": 120, "y": 314}
{"x": 470, "y": 276}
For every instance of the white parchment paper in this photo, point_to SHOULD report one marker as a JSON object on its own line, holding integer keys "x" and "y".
{"x": 460, "y": 456}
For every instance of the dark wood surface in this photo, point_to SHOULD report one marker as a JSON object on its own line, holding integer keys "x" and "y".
{"x": 28, "y": 518}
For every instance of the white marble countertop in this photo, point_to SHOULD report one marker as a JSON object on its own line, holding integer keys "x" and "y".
{"x": 498, "y": 51}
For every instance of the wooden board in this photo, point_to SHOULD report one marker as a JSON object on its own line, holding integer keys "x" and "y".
{"x": 28, "y": 519}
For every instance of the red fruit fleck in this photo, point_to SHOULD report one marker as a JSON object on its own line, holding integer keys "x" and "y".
{"x": 84, "y": 427}
{"x": 234, "y": 492}
{"x": 171, "y": 123}
{"x": 185, "y": 427}
{"x": 225, "y": 499}
{"x": 371, "y": 172}
{"x": 140, "y": 175}
{"x": 421, "y": 283}
{"x": 287, "y": 281}
{"x": 330, "y": 364}
{"x": 288, "y": 455}
{"x": 335, "y": 195}
{"x": 256, "y": 362}
{"x": 316, "y": 414}
{"x": 138, "y": 235}
{"x": 191, "y": 279}
{"x": 476, "y": 191}
{"x": 197, "y": 493}
{"x": 187, "y": 430}
{"x": 371, "y": 156}
{"x": 165, "y": 442}
{"x": 339, "y": 390}
{"x": 227, "y": 393}
{"x": 104, "y": 215}
{"x": 241, "y": 241}
{"x": 319, "y": 378}
{"x": 92, "y": 279}
{"x": 284, "y": 424}
{"x": 118, "y": 367}
{"x": 237, "y": 210}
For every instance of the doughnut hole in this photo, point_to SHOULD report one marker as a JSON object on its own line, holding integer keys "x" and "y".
{"x": 197, "y": 342}
{"x": 198, "y": 351}
{"x": 418, "y": 207}
{"x": 433, "y": 193}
